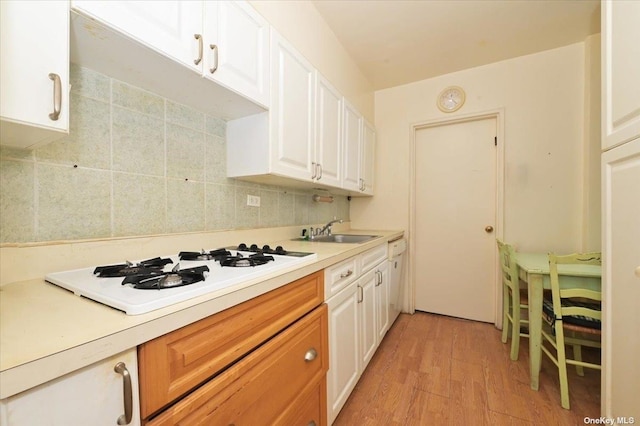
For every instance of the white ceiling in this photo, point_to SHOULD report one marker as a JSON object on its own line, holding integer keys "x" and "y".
{"x": 396, "y": 42}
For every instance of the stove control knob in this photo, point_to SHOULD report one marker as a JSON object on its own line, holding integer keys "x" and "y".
{"x": 280, "y": 250}
{"x": 242, "y": 247}
{"x": 254, "y": 247}
{"x": 266, "y": 248}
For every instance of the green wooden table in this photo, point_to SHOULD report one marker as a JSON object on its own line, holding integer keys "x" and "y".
{"x": 533, "y": 268}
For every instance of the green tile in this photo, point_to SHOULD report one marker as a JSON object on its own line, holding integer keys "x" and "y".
{"x": 16, "y": 201}
{"x": 286, "y": 208}
{"x": 216, "y": 160}
{"x": 138, "y": 143}
{"x": 89, "y": 142}
{"x": 216, "y": 126}
{"x": 220, "y": 207}
{"x": 185, "y": 116}
{"x": 269, "y": 208}
{"x": 16, "y": 153}
{"x": 302, "y": 207}
{"x": 89, "y": 83}
{"x": 139, "y": 205}
{"x": 136, "y": 99}
{"x": 73, "y": 203}
{"x": 246, "y": 216}
{"x": 185, "y": 206}
{"x": 185, "y": 153}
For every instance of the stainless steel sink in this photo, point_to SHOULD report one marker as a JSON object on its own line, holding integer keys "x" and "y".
{"x": 343, "y": 238}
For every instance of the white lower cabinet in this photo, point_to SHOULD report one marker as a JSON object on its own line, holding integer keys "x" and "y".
{"x": 344, "y": 360}
{"x": 94, "y": 395}
{"x": 358, "y": 320}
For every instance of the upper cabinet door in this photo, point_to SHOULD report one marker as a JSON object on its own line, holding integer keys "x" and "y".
{"x": 352, "y": 141}
{"x": 620, "y": 71}
{"x": 173, "y": 28}
{"x": 368, "y": 157}
{"x": 328, "y": 149}
{"x": 292, "y": 113}
{"x": 237, "y": 45}
{"x": 34, "y": 73}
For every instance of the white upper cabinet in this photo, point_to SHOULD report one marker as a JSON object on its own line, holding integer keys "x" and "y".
{"x": 170, "y": 27}
{"x": 292, "y": 113}
{"x": 620, "y": 71}
{"x": 236, "y": 40}
{"x": 358, "y": 152}
{"x": 328, "y": 146}
{"x": 352, "y": 145}
{"x": 34, "y": 74}
{"x": 310, "y": 137}
{"x": 223, "y": 41}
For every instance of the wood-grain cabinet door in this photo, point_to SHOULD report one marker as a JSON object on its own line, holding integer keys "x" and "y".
{"x": 273, "y": 385}
{"x": 174, "y": 364}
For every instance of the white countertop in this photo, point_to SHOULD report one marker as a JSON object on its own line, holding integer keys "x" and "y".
{"x": 46, "y": 331}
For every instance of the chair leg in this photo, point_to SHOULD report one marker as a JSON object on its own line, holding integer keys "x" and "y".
{"x": 562, "y": 366}
{"x": 515, "y": 333}
{"x": 577, "y": 355}
{"x": 505, "y": 313}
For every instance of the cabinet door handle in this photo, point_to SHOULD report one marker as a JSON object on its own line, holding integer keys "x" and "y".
{"x": 315, "y": 171}
{"x": 199, "y": 58}
{"x": 346, "y": 274}
{"x": 378, "y": 278}
{"x": 361, "y": 295}
{"x": 214, "y": 48}
{"x": 57, "y": 96}
{"x": 320, "y": 173}
{"x": 127, "y": 388}
{"x": 310, "y": 355}
{"x": 311, "y": 423}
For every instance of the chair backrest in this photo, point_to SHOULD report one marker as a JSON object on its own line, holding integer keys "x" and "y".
{"x": 581, "y": 301}
{"x": 508, "y": 266}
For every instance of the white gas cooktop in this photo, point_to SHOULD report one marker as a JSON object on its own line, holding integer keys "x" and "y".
{"x": 132, "y": 301}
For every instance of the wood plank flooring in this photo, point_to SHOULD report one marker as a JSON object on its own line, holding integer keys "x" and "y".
{"x": 432, "y": 369}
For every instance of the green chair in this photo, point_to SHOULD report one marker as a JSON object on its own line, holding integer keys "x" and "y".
{"x": 514, "y": 299}
{"x": 573, "y": 317}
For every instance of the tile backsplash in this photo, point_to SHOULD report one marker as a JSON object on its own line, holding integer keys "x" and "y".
{"x": 137, "y": 164}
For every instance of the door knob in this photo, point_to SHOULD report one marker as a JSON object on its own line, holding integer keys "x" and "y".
{"x": 488, "y": 229}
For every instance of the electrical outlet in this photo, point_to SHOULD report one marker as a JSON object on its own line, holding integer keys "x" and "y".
{"x": 253, "y": 200}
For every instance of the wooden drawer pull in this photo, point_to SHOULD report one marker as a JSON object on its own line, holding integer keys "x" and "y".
{"x": 310, "y": 355}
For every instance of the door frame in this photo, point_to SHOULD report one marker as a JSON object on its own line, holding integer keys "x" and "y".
{"x": 498, "y": 115}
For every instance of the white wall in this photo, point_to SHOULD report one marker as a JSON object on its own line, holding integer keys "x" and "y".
{"x": 543, "y": 98}
{"x": 301, "y": 24}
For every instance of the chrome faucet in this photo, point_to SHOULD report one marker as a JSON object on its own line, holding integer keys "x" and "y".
{"x": 327, "y": 227}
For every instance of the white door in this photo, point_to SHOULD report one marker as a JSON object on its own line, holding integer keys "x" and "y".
{"x": 351, "y": 140}
{"x": 237, "y": 44}
{"x": 169, "y": 27}
{"x": 328, "y": 153}
{"x": 367, "y": 308}
{"x": 292, "y": 113}
{"x": 455, "y": 203}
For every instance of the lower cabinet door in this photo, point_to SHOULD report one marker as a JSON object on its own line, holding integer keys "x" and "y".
{"x": 267, "y": 386}
{"x": 93, "y": 395}
{"x": 344, "y": 358}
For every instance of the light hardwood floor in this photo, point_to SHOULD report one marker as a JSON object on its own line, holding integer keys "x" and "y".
{"x": 437, "y": 370}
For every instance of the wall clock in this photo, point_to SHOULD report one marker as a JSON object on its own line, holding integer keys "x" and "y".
{"x": 451, "y": 99}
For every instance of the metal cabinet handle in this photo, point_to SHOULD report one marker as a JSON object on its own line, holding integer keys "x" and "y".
{"x": 315, "y": 171}
{"x": 310, "y": 355}
{"x": 361, "y": 295}
{"x": 125, "y": 418}
{"x": 57, "y": 96}
{"x": 320, "y": 173}
{"x": 311, "y": 423}
{"x": 199, "y": 59}
{"x": 379, "y": 278}
{"x": 214, "y": 47}
{"x": 346, "y": 274}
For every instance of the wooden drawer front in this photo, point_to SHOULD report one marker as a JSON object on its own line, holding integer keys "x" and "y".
{"x": 309, "y": 409}
{"x": 340, "y": 275}
{"x": 371, "y": 258}
{"x": 175, "y": 363}
{"x": 259, "y": 389}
